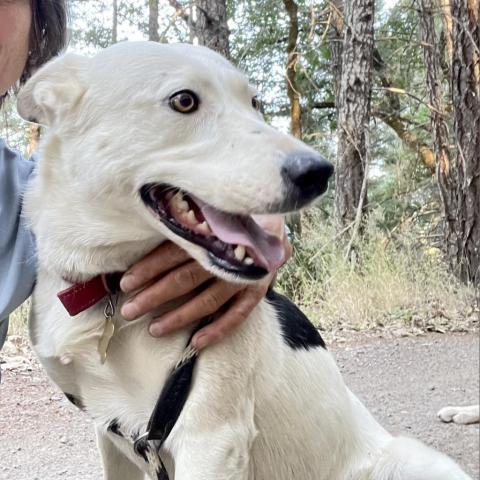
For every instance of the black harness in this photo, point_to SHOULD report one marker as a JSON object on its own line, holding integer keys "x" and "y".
{"x": 170, "y": 403}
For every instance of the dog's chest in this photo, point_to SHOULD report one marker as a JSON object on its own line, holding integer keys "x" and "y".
{"x": 121, "y": 409}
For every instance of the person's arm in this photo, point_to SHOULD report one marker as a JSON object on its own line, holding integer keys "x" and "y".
{"x": 17, "y": 245}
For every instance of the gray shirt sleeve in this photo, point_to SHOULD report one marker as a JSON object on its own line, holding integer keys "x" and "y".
{"x": 17, "y": 245}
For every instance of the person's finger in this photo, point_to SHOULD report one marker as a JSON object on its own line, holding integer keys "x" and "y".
{"x": 204, "y": 304}
{"x": 161, "y": 260}
{"x": 174, "y": 284}
{"x": 236, "y": 314}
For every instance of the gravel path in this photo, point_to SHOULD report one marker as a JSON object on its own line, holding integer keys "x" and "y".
{"x": 405, "y": 382}
{"x": 402, "y": 381}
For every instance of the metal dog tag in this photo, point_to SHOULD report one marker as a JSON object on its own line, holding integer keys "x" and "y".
{"x": 108, "y": 331}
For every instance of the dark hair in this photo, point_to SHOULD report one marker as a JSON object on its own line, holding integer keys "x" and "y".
{"x": 48, "y": 33}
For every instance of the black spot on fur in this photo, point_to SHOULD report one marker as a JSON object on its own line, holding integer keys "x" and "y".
{"x": 75, "y": 401}
{"x": 297, "y": 330}
{"x": 114, "y": 427}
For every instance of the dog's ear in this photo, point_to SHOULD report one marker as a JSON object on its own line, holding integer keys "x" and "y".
{"x": 52, "y": 91}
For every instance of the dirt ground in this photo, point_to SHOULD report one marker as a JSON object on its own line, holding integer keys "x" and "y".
{"x": 404, "y": 382}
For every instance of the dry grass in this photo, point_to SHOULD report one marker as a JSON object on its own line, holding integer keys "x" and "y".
{"x": 19, "y": 321}
{"x": 399, "y": 284}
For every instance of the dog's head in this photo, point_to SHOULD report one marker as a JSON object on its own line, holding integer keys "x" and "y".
{"x": 168, "y": 140}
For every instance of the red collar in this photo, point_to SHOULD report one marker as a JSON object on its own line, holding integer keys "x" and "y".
{"x": 81, "y": 296}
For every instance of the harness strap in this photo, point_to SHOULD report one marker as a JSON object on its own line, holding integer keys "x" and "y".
{"x": 172, "y": 399}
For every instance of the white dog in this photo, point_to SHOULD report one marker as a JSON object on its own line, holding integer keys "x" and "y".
{"x": 148, "y": 142}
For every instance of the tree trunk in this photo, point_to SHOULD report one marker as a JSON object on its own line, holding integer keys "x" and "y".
{"x": 294, "y": 221}
{"x": 153, "y": 21}
{"x": 447, "y": 28}
{"x": 335, "y": 35}
{"x": 354, "y": 114}
{"x": 446, "y": 177}
{"x": 431, "y": 55}
{"x": 292, "y": 59}
{"x": 458, "y": 172}
{"x": 211, "y": 28}
{"x": 115, "y": 22}
{"x": 464, "y": 237}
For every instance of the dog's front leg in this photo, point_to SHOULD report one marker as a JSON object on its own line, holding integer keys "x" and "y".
{"x": 210, "y": 447}
{"x": 213, "y": 437}
{"x": 116, "y": 466}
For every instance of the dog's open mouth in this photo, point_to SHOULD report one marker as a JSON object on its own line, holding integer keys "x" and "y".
{"x": 235, "y": 243}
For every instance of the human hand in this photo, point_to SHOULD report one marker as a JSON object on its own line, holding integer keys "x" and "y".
{"x": 168, "y": 272}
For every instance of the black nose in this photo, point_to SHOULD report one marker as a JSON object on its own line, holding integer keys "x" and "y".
{"x": 306, "y": 177}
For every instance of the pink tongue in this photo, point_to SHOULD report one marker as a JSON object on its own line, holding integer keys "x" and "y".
{"x": 267, "y": 249}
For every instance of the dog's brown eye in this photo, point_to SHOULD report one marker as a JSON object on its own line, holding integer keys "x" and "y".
{"x": 256, "y": 104}
{"x": 184, "y": 101}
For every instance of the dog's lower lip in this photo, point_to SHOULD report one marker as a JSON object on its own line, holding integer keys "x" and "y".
{"x": 189, "y": 223}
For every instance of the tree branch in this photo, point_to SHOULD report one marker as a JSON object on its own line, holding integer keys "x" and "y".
{"x": 181, "y": 12}
{"x": 292, "y": 60}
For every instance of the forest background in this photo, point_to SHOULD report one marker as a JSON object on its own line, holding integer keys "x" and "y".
{"x": 390, "y": 93}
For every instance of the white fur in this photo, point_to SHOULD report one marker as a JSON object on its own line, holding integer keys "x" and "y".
{"x": 462, "y": 415}
{"x": 258, "y": 409}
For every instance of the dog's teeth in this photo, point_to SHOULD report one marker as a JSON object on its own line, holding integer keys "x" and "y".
{"x": 182, "y": 205}
{"x": 177, "y": 198}
{"x": 240, "y": 252}
{"x": 191, "y": 217}
{"x": 248, "y": 261}
{"x": 204, "y": 228}
{"x": 179, "y": 203}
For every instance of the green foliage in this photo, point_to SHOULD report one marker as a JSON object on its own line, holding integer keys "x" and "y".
{"x": 12, "y": 127}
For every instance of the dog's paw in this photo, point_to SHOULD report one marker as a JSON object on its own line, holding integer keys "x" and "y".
{"x": 460, "y": 415}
